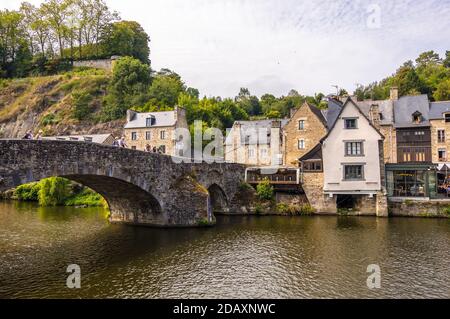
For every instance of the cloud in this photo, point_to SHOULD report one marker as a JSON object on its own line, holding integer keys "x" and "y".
{"x": 274, "y": 46}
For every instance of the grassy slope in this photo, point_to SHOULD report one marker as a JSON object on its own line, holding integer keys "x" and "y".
{"x": 48, "y": 102}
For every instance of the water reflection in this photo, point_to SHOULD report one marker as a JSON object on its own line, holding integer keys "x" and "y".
{"x": 248, "y": 257}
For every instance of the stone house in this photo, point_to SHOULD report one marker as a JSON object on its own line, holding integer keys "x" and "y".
{"x": 256, "y": 143}
{"x": 155, "y": 129}
{"x": 346, "y": 170}
{"x": 305, "y": 128}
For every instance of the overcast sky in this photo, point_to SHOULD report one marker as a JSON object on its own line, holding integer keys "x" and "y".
{"x": 272, "y": 46}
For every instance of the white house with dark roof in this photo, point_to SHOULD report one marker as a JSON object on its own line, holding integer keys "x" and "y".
{"x": 352, "y": 166}
{"x": 155, "y": 131}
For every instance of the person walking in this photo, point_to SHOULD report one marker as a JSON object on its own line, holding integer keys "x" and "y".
{"x": 28, "y": 136}
{"x": 148, "y": 148}
{"x": 39, "y": 135}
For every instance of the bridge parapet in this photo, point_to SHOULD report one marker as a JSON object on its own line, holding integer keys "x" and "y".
{"x": 140, "y": 188}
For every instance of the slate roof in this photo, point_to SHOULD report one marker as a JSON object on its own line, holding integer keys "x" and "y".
{"x": 95, "y": 138}
{"x": 437, "y": 110}
{"x": 162, "y": 119}
{"x": 331, "y": 114}
{"x": 386, "y": 108}
{"x": 405, "y": 106}
{"x": 256, "y": 130}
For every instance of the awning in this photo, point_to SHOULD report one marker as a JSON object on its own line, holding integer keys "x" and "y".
{"x": 443, "y": 167}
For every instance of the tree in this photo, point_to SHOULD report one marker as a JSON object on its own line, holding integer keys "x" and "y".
{"x": 128, "y": 38}
{"x": 273, "y": 114}
{"x": 428, "y": 58}
{"x": 166, "y": 88}
{"x": 442, "y": 92}
{"x": 128, "y": 87}
{"x": 264, "y": 190}
{"x": 446, "y": 61}
{"x": 56, "y": 12}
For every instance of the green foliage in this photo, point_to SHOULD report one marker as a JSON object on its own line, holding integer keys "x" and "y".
{"x": 56, "y": 191}
{"x": 273, "y": 114}
{"x": 128, "y": 38}
{"x": 285, "y": 209}
{"x": 87, "y": 198}
{"x": 243, "y": 186}
{"x": 128, "y": 87}
{"x": 446, "y": 211}
{"x": 53, "y": 191}
{"x": 27, "y": 192}
{"x": 49, "y": 119}
{"x": 428, "y": 75}
{"x": 81, "y": 101}
{"x": 264, "y": 190}
{"x": 165, "y": 89}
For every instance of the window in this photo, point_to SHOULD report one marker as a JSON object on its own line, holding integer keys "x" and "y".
{"x": 301, "y": 144}
{"x": 163, "y": 135}
{"x": 148, "y": 135}
{"x": 133, "y": 136}
{"x": 150, "y": 121}
{"x": 251, "y": 153}
{"x": 351, "y": 124}
{"x": 314, "y": 166}
{"x": 133, "y": 147}
{"x": 263, "y": 152}
{"x": 442, "y": 154}
{"x": 301, "y": 125}
{"x": 354, "y": 149}
{"x": 417, "y": 117}
{"x": 353, "y": 172}
{"x": 441, "y": 136}
{"x": 447, "y": 118}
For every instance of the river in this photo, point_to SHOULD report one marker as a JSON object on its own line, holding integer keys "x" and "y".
{"x": 242, "y": 257}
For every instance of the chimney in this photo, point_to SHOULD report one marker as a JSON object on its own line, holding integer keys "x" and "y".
{"x": 394, "y": 93}
{"x": 375, "y": 116}
{"x": 180, "y": 113}
{"x": 131, "y": 115}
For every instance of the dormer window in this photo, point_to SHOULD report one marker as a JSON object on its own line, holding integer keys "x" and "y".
{"x": 150, "y": 121}
{"x": 417, "y": 117}
{"x": 447, "y": 117}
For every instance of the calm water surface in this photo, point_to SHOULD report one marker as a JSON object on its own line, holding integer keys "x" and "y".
{"x": 242, "y": 257}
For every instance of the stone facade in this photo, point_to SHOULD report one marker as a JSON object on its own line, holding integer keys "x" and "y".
{"x": 105, "y": 64}
{"x": 311, "y": 130}
{"x": 389, "y": 143}
{"x": 419, "y": 208}
{"x": 162, "y": 137}
{"x": 436, "y": 144}
{"x": 140, "y": 188}
{"x": 313, "y": 188}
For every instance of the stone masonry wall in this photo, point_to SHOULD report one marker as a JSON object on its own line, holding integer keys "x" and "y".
{"x": 313, "y": 132}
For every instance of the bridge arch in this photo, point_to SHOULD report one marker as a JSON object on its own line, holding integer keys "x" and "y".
{"x": 218, "y": 199}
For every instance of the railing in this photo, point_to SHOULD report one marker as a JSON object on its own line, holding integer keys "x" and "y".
{"x": 281, "y": 177}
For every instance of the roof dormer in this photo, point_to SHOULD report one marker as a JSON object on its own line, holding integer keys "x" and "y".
{"x": 417, "y": 117}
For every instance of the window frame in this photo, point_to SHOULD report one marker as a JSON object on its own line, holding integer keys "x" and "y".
{"x": 148, "y": 135}
{"x": 361, "y": 148}
{"x": 441, "y": 139}
{"x": 302, "y": 126}
{"x": 346, "y": 119}
{"x": 353, "y": 179}
{"x": 134, "y": 136}
{"x": 162, "y": 135}
{"x": 304, "y": 144}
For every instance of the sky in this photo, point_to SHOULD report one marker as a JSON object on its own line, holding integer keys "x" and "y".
{"x": 273, "y": 46}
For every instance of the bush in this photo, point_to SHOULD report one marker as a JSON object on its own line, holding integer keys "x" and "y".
{"x": 86, "y": 198}
{"x": 447, "y": 211}
{"x": 53, "y": 191}
{"x": 27, "y": 192}
{"x": 286, "y": 209}
{"x": 49, "y": 119}
{"x": 243, "y": 186}
{"x": 264, "y": 190}
{"x": 81, "y": 101}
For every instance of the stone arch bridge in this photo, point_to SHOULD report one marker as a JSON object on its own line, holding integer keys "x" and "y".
{"x": 140, "y": 188}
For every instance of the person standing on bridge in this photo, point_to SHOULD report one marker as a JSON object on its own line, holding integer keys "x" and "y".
{"x": 148, "y": 148}
{"x": 28, "y": 136}
{"x": 122, "y": 142}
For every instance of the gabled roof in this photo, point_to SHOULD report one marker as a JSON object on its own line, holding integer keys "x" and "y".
{"x": 438, "y": 109}
{"x": 347, "y": 102}
{"x": 315, "y": 110}
{"x": 404, "y": 108}
{"x": 385, "y": 107}
{"x": 162, "y": 119}
{"x": 314, "y": 154}
{"x": 249, "y": 128}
